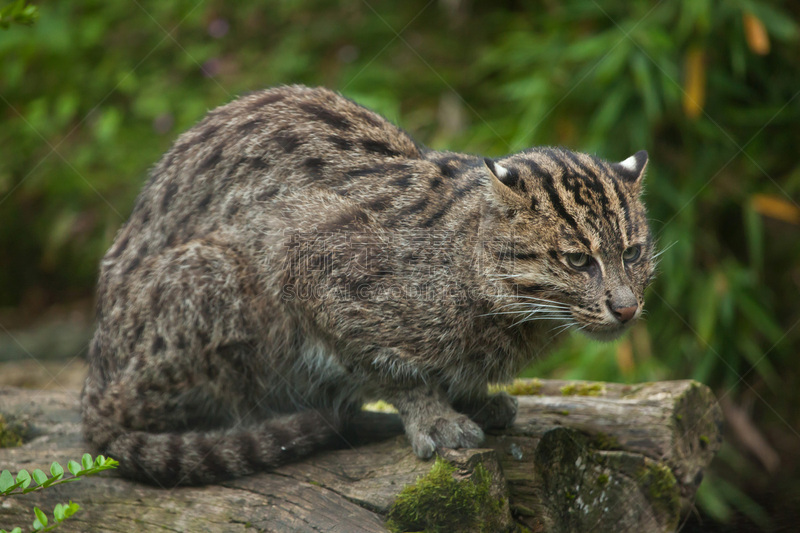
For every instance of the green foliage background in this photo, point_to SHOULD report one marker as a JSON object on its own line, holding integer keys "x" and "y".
{"x": 95, "y": 91}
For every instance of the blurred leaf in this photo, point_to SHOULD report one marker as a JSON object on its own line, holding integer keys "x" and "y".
{"x": 644, "y": 81}
{"x": 756, "y": 34}
{"x": 712, "y": 501}
{"x": 694, "y": 84}
{"x": 744, "y": 503}
{"x": 777, "y": 208}
{"x": 41, "y": 518}
{"x": 18, "y": 12}
{"x": 761, "y": 363}
{"x": 107, "y": 125}
{"x": 6, "y": 480}
{"x": 778, "y": 24}
{"x": 760, "y": 318}
{"x": 755, "y": 238}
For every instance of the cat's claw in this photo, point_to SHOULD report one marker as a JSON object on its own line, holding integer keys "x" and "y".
{"x": 456, "y": 431}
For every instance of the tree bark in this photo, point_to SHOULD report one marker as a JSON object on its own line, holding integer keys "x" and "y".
{"x": 581, "y": 456}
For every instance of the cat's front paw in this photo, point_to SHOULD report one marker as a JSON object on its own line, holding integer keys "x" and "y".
{"x": 495, "y": 411}
{"x": 456, "y": 431}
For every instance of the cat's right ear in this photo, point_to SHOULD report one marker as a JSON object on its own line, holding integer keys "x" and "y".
{"x": 506, "y": 184}
{"x": 632, "y": 169}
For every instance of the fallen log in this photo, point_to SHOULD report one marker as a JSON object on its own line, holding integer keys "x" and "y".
{"x": 582, "y": 456}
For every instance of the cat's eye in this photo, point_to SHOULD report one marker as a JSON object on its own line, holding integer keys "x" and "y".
{"x": 631, "y": 253}
{"x": 579, "y": 260}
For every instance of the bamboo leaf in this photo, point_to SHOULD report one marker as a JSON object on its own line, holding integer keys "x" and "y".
{"x": 756, "y": 34}
{"x": 777, "y": 208}
{"x": 694, "y": 86}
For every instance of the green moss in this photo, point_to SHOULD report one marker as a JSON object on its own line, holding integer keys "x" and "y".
{"x": 527, "y": 387}
{"x": 704, "y": 441}
{"x": 380, "y": 407}
{"x": 602, "y": 480}
{"x": 583, "y": 389}
{"x": 599, "y": 459}
{"x": 438, "y": 502}
{"x": 603, "y": 441}
{"x": 11, "y": 434}
{"x": 659, "y": 482}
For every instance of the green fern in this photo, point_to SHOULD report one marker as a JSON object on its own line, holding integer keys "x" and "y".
{"x": 60, "y": 513}
{"x": 11, "y": 486}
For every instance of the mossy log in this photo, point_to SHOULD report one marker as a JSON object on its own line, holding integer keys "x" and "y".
{"x": 581, "y": 457}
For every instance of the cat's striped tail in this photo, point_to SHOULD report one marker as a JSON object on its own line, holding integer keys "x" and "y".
{"x": 202, "y": 457}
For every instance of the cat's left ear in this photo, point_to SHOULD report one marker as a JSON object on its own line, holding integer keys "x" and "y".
{"x": 632, "y": 169}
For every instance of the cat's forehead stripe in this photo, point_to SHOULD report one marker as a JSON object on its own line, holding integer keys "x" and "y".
{"x": 585, "y": 192}
{"x": 589, "y": 191}
{"x": 623, "y": 206}
{"x": 624, "y": 211}
{"x": 577, "y": 184}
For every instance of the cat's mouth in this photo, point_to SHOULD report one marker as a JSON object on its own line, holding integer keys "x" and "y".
{"x": 606, "y": 334}
{"x": 604, "y": 331}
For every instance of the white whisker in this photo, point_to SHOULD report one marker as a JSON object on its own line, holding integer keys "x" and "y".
{"x": 533, "y": 316}
{"x": 656, "y": 255}
{"x": 535, "y": 306}
{"x": 562, "y": 327}
{"x": 528, "y": 298}
{"x": 507, "y": 276}
{"x": 531, "y": 313}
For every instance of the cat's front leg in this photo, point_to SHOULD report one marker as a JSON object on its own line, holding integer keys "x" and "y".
{"x": 430, "y": 422}
{"x": 490, "y": 411}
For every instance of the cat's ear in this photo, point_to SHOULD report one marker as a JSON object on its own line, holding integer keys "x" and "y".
{"x": 632, "y": 169}
{"x": 506, "y": 184}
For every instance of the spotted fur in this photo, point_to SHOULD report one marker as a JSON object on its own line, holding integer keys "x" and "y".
{"x": 294, "y": 254}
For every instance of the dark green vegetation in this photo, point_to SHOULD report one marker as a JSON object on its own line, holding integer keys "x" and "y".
{"x": 12, "y": 432}
{"x": 94, "y": 92}
{"x": 18, "y": 12}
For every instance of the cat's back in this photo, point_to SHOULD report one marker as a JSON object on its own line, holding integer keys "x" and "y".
{"x": 286, "y": 132}
{"x": 248, "y": 154}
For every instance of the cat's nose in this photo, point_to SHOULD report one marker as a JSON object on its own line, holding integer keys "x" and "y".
{"x": 624, "y": 314}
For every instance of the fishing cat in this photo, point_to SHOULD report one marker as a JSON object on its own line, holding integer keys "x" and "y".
{"x": 295, "y": 254}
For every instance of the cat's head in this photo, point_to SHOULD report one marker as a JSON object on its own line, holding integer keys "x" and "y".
{"x": 571, "y": 241}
